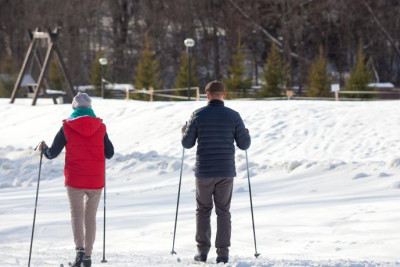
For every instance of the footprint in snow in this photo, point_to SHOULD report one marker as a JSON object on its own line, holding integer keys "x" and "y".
{"x": 174, "y": 166}
{"x": 293, "y": 165}
{"x": 384, "y": 174}
{"x": 395, "y": 163}
{"x": 396, "y": 185}
{"x": 360, "y": 175}
{"x": 6, "y": 166}
{"x": 334, "y": 165}
{"x": 277, "y": 124}
{"x": 4, "y": 185}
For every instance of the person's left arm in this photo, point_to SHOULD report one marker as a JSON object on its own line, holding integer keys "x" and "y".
{"x": 57, "y": 146}
{"x": 242, "y": 136}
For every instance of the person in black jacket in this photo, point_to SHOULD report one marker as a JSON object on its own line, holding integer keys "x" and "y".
{"x": 216, "y": 128}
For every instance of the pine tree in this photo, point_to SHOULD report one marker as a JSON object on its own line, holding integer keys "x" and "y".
{"x": 319, "y": 81}
{"x": 96, "y": 74}
{"x": 8, "y": 68}
{"x": 3, "y": 91}
{"x": 56, "y": 78}
{"x": 147, "y": 70}
{"x": 274, "y": 74}
{"x": 237, "y": 80}
{"x": 360, "y": 77}
{"x": 182, "y": 77}
{"x": 8, "y": 65}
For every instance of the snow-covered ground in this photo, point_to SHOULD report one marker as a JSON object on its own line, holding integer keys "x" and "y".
{"x": 325, "y": 182}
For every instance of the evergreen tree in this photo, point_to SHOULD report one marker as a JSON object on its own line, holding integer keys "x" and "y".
{"x": 8, "y": 66}
{"x": 96, "y": 73}
{"x": 56, "y": 78}
{"x": 274, "y": 74}
{"x": 147, "y": 70}
{"x": 3, "y": 91}
{"x": 360, "y": 77}
{"x": 319, "y": 81}
{"x": 182, "y": 77}
{"x": 237, "y": 80}
{"x": 9, "y": 70}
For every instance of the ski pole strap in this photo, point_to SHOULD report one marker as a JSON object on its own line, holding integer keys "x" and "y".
{"x": 41, "y": 142}
{"x": 38, "y": 145}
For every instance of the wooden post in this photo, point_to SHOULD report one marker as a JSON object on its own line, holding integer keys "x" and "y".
{"x": 39, "y": 62}
{"x": 127, "y": 93}
{"x": 289, "y": 94}
{"x": 42, "y": 73}
{"x": 70, "y": 90}
{"x": 198, "y": 93}
{"x": 22, "y": 72}
{"x": 151, "y": 89}
{"x": 335, "y": 88}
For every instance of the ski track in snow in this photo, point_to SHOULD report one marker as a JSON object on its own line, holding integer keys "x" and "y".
{"x": 325, "y": 183}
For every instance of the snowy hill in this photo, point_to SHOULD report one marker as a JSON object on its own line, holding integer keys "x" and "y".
{"x": 325, "y": 179}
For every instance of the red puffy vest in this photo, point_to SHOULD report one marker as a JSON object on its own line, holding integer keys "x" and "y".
{"x": 84, "y": 156}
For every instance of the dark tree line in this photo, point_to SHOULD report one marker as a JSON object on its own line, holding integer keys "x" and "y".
{"x": 298, "y": 28}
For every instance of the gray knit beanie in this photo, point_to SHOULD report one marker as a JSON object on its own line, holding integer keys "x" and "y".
{"x": 81, "y": 100}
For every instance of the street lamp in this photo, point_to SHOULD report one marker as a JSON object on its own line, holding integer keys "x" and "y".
{"x": 103, "y": 62}
{"x": 189, "y": 43}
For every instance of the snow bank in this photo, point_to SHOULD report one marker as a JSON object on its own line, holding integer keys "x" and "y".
{"x": 325, "y": 179}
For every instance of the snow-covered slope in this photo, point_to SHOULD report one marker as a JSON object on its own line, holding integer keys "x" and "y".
{"x": 325, "y": 179}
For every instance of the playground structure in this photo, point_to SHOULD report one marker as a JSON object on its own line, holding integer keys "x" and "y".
{"x": 40, "y": 87}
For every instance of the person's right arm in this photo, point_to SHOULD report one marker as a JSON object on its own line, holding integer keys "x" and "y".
{"x": 189, "y": 133}
{"x": 108, "y": 147}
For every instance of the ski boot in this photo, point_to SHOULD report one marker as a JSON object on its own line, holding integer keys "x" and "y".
{"x": 200, "y": 257}
{"x": 87, "y": 261}
{"x": 80, "y": 252}
{"x": 223, "y": 259}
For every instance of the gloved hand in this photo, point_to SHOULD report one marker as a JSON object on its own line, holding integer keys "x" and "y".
{"x": 42, "y": 146}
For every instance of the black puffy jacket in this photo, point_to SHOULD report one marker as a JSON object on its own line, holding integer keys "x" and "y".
{"x": 216, "y": 127}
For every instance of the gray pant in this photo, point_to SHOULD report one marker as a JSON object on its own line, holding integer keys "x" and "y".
{"x": 221, "y": 190}
{"x": 83, "y": 204}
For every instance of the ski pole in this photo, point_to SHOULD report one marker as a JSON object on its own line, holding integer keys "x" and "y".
{"x": 177, "y": 203}
{"x": 104, "y": 223}
{"x": 37, "y": 194}
{"x": 251, "y": 206}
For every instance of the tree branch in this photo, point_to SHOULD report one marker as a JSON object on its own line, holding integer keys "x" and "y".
{"x": 263, "y": 30}
{"x": 385, "y": 32}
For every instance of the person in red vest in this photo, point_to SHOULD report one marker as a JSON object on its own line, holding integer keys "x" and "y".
{"x": 87, "y": 145}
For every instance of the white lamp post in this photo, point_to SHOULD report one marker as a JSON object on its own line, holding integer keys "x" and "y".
{"x": 189, "y": 43}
